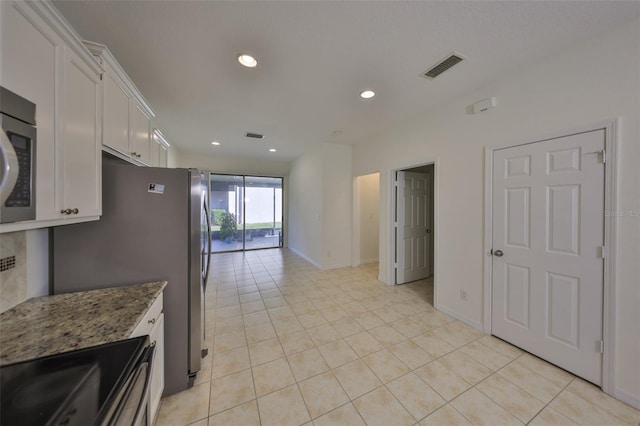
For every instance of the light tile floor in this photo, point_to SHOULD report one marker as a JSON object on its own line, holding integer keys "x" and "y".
{"x": 290, "y": 344}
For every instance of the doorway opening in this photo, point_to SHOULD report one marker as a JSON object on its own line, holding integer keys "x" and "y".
{"x": 413, "y": 228}
{"x": 246, "y": 212}
{"x": 367, "y": 236}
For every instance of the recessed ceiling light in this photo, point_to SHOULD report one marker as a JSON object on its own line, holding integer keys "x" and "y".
{"x": 272, "y": 150}
{"x": 215, "y": 143}
{"x": 367, "y": 94}
{"x": 247, "y": 60}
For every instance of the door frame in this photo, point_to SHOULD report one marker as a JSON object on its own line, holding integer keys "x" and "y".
{"x": 610, "y": 128}
{"x": 391, "y": 261}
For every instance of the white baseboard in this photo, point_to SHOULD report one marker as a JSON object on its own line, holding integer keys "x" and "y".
{"x": 317, "y": 265}
{"x": 627, "y": 398}
{"x": 311, "y": 261}
{"x": 336, "y": 266}
{"x": 460, "y": 317}
{"x": 372, "y": 260}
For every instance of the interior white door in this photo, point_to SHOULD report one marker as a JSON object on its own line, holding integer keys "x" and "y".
{"x": 412, "y": 226}
{"x": 548, "y": 232}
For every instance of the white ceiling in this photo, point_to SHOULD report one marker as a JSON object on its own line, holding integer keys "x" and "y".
{"x": 315, "y": 57}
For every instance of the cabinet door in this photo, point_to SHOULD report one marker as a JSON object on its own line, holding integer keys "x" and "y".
{"x": 163, "y": 156}
{"x": 116, "y": 115}
{"x": 80, "y": 142}
{"x": 157, "y": 373}
{"x": 140, "y": 136}
{"x": 28, "y": 68}
{"x": 154, "y": 153}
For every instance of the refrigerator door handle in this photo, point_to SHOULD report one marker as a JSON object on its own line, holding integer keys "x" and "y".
{"x": 206, "y": 274}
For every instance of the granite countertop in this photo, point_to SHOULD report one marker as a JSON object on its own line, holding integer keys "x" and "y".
{"x": 52, "y": 324}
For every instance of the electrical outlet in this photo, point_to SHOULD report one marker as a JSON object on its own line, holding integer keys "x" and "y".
{"x": 463, "y": 295}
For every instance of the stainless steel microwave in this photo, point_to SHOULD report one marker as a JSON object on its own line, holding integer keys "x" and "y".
{"x": 17, "y": 158}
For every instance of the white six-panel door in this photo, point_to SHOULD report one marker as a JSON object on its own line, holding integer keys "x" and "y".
{"x": 548, "y": 232}
{"x": 412, "y": 226}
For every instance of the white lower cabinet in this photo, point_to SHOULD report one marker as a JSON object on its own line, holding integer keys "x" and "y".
{"x": 152, "y": 325}
{"x": 157, "y": 374}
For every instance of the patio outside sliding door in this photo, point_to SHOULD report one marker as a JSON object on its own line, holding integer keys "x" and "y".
{"x": 246, "y": 212}
{"x": 263, "y": 212}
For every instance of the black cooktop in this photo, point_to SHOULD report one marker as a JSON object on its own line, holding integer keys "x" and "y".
{"x": 70, "y": 388}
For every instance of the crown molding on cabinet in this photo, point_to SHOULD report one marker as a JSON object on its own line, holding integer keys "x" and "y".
{"x": 61, "y": 26}
{"x": 161, "y": 138}
{"x": 102, "y": 51}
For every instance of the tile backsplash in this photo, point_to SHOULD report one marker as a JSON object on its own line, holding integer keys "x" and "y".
{"x": 13, "y": 274}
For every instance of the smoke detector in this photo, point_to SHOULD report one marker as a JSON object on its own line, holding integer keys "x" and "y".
{"x": 448, "y": 62}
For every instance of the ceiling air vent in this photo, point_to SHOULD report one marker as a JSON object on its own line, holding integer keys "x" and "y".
{"x": 443, "y": 65}
{"x": 254, "y": 135}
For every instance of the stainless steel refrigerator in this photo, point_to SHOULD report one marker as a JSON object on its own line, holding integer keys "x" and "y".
{"x": 154, "y": 227}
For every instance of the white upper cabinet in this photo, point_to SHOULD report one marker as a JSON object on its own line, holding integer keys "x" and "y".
{"x": 163, "y": 156}
{"x": 127, "y": 115}
{"x": 80, "y": 147}
{"x": 154, "y": 152}
{"x": 115, "y": 129}
{"x": 44, "y": 61}
{"x": 140, "y": 133}
{"x": 159, "y": 149}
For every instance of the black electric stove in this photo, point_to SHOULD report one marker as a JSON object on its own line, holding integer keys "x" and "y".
{"x": 72, "y": 388}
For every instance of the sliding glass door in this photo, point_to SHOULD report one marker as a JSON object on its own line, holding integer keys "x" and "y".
{"x": 246, "y": 212}
{"x": 263, "y": 212}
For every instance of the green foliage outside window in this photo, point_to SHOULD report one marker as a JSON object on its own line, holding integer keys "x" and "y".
{"x": 228, "y": 226}
{"x": 216, "y": 216}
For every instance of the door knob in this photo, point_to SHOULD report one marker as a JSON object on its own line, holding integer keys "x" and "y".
{"x": 428, "y": 231}
{"x": 66, "y": 211}
{"x": 498, "y": 253}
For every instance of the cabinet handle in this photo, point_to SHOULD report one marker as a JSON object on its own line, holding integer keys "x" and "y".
{"x": 70, "y": 211}
{"x": 152, "y": 321}
{"x": 135, "y": 154}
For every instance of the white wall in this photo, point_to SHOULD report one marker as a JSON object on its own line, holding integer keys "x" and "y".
{"x": 320, "y": 197}
{"x": 337, "y": 190}
{"x": 305, "y": 206}
{"x": 369, "y": 205}
{"x": 230, "y": 165}
{"x": 592, "y": 82}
